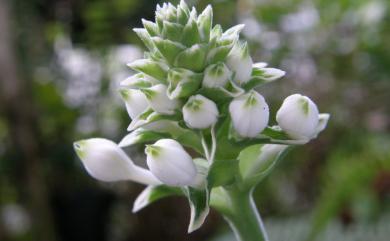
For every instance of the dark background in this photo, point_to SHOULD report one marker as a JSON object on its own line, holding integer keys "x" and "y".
{"x": 60, "y": 64}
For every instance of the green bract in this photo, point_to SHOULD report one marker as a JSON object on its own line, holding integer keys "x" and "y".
{"x": 194, "y": 93}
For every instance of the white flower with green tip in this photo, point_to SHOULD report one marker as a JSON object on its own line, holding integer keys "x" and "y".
{"x": 200, "y": 112}
{"x": 216, "y": 75}
{"x": 170, "y": 163}
{"x": 105, "y": 161}
{"x": 159, "y": 101}
{"x": 299, "y": 117}
{"x": 249, "y": 113}
{"x": 240, "y": 62}
{"x": 135, "y": 101}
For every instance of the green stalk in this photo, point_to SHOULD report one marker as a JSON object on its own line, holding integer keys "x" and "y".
{"x": 239, "y": 210}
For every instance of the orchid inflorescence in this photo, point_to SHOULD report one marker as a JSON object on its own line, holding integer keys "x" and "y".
{"x": 194, "y": 97}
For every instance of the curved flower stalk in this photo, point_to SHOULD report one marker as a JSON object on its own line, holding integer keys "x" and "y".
{"x": 205, "y": 129}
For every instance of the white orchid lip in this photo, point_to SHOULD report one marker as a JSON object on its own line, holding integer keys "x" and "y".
{"x": 298, "y": 117}
{"x": 170, "y": 163}
{"x": 216, "y": 75}
{"x": 240, "y": 62}
{"x": 105, "y": 161}
{"x": 158, "y": 99}
{"x": 200, "y": 112}
{"x": 135, "y": 101}
{"x": 249, "y": 113}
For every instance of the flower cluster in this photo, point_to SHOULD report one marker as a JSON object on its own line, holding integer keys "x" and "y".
{"x": 194, "y": 99}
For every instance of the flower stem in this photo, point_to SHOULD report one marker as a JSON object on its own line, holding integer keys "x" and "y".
{"x": 240, "y": 212}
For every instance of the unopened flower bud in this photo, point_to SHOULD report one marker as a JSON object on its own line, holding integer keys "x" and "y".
{"x": 240, "y": 62}
{"x": 216, "y": 75}
{"x": 249, "y": 113}
{"x": 105, "y": 161}
{"x": 298, "y": 117}
{"x": 159, "y": 101}
{"x": 200, "y": 112}
{"x": 170, "y": 163}
{"x": 135, "y": 101}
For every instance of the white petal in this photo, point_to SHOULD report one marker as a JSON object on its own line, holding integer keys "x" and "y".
{"x": 216, "y": 75}
{"x": 323, "y": 119}
{"x": 260, "y": 65}
{"x": 249, "y": 113}
{"x": 271, "y": 74}
{"x": 170, "y": 163}
{"x": 200, "y": 112}
{"x": 159, "y": 101}
{"x": 105, "y": 161}
{"x": 240, "y": 62}
{"x": 135, "y": 101}
{"x": 298, "y": 117}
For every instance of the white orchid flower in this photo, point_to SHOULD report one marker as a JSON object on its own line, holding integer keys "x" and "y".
{"x": 200, "y": 112}
{"x": 170, "y": 163}
{"x": 249, "y": 113}
{"x": 105, "y": 161}
{"x": 135, "y": 101}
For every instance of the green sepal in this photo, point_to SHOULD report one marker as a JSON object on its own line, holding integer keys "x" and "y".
{"x": 149, "y": 116}
{"x": 192, "y": 58}
{"x": 190, "y": 34}
{"x": 168, "y": 48}
{"x": 216, "y": 33}
{"x": 183, "y": 13}
{"x": 172, "y": 31}
{"x": 152, "y": 68}
{"x": 205, "y": 22}
{"x": 145, "y": 37}
{"x": 199, "y": 205}
{"x": 222, "y": 94}
{"x": 154, "y": 193}
{"x": 182, "y": 82}
{"x": 151, "y": 27}
{"x": 218, "y": 54}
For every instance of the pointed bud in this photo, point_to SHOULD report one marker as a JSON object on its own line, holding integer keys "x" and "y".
{"x": 135, "y": 101}
{"x": 249, "y": 113}
{"x": 159, "y": 101}
{"x": 298, "y": 117}
{"x": 105, "y": 161}
{"x": 170, "y": 163}
{"x": 216, "y": 75}
{"x": 240, "y": 62}
{"x": 200, "y": 112}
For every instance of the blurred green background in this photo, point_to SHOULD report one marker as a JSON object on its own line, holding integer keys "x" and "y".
{"x": 60, "y": 65}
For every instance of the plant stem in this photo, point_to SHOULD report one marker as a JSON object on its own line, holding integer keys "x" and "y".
{"x": 239, "y": 210}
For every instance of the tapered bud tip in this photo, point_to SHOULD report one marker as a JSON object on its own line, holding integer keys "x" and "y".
{"x": 249, "y": 113}
{"x": 200, "y": 112}
{"x": 298, "y": 117}
{"x": 170, "y": 163}
{"x": 78, "y": 147}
